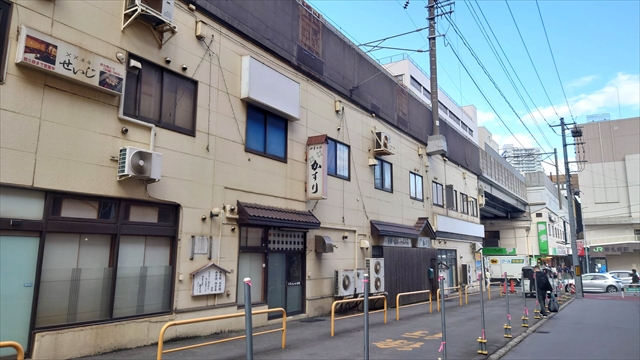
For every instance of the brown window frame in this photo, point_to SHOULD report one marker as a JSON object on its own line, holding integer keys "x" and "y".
{"x": 5, "y": 22}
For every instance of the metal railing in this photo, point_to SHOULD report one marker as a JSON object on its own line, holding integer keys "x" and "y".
{"x": 333, "y": 310}
{"x": 414, "y": 304}
{"x": 16, "y": 346}
{"x": 466, "y": 292}
{"x": 220, "y": 317}
{"x": 489, "y": 288}
{"x": 450, "y": 297}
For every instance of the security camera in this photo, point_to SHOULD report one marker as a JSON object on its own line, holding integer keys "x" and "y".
{"x": 339, "y": 128}
{"x": 125, "y": 130}
{"x": 167, "y": 60}
{"x": 184, "y": 67}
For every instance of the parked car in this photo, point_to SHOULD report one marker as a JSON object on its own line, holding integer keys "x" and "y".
{"x": 601, "y": 282}
{"x": 624, "y": 275}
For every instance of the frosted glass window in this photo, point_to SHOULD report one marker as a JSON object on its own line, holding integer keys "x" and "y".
{"x": 83, "y": 209}
{"x": 75, "y": 284}
{"x": 251, "y": 265}
{"x": 143, "y": 281}
{"x": 143, "y": 213}
{"x": 21, "y": 204}
{"x": 251, "y": 236}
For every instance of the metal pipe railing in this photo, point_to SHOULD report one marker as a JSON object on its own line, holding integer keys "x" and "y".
{"x": 333, "y": 310}
{"x": 466, "y": 292}
{"x": 16, "y": 346}
{"x": 220, "y": 317}
{"x": 489, "y": 288}
{"x": 450, "y": 297}
{"x": 419, "y": 303}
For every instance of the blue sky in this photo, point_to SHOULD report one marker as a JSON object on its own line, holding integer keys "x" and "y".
{"x": 596, "y": 45}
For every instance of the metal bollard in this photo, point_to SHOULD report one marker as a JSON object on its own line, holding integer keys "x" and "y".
{"x": 248, "y": 323}
{"x": 443, "y": 344}
{"x": 365, "y": 283}
{"x": 482, "y": 340}
{"x": 507, "y": 326}
{"x": 525, "y": 315}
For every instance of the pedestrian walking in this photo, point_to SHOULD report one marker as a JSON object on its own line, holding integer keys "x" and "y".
{"x": 635, "y": 281}
{"x": 543, "y": 285}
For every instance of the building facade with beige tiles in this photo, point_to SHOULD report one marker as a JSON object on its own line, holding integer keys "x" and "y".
{"x": 151, "y": 158}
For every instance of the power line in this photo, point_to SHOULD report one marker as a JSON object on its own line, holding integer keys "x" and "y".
{"x": 532, "y": 63}
{"x": 475, "y": 56}
{"x": 554, "y": 59}
{"x": 484, "y": 32}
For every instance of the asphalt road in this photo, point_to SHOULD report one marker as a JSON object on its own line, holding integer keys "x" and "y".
{"x": 416, "y": 336}
{"x": 600, "y": 326}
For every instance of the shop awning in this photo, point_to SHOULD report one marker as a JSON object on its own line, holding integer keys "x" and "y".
{"x": 381, "y": 228}
{"x": 424, "y": 228}
{"x": 256, "y": 214}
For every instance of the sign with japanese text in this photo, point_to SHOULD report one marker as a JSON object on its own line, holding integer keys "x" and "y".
{"x": 317, "y": 167}
{"x": 396, "y": 241}
{"x": 48, "y": 54}
{"x": 208, "y": 280}
{"x": 498, "y": 251}
{"x": 542, "y": 238}
{"x": 423, "y": 242}
{"x": 580, "y": 247}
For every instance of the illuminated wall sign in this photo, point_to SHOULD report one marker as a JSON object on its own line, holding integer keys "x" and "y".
{"x": 317, "y": 167}
{"x": 50, "y": 55}
{"x": 542, "y": 238}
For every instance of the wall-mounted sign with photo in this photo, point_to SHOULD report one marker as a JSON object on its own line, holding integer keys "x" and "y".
{"x": 48, "y": 54}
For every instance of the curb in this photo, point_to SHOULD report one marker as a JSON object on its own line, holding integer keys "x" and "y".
{"x": 513, "y": 343}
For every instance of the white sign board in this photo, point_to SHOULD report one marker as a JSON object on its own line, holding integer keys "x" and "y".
{"x": 316, "y": 171}
{"x": 50, "y": 55}
{"x": 396, "y": 241}
{"x": 423, "y": 242}
{"x": 209, "y": 280}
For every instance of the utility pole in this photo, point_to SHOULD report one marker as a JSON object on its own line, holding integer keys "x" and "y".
{"x": 433, "y": 60}
{"x": 555, "y": 154}
{"x": 433, "y": 67}
{"x": 572, "y": 220}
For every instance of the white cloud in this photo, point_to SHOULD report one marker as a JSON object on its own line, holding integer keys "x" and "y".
{"x": 524, "y": 139}
{"x": 485, "y": 117}
{"x": 626, "y": 87}
{"x": 580, "y": 82}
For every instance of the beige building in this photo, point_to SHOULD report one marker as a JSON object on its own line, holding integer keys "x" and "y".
{"x": 145, "y": 171}
{"x": 610, "y": 192}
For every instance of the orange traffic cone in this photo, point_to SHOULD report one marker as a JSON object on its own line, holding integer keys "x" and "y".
{"x": 512, "y": 288}
{"x": 573, "y": 288}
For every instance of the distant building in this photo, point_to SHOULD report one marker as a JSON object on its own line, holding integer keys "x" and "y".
{"x": 610, "y": 192}
{"x": 524, "y": 160}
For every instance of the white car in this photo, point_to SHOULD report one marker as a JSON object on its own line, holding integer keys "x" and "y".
{"x": 624, "y": 275}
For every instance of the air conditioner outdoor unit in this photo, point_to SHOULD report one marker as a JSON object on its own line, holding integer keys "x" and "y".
{"x": 344, "y": 283}
{"x": 481, "y": 200}
{"x": 375, "y": 268}
{"x": 476, "y": 247}
{"x": 155, "y": 12}
{"x": 140, "y": 164}
{"x": 359, "y": 283}
{"x": 382, "y": 144}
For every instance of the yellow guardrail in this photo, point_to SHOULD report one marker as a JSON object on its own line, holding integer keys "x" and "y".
{"x": 466, "y": 292}
{"x": 489, "y": 288}
{"x": 333, "y": 310}
{"x": 220, "y": 317}
{"x": 420, "y": 303}
{"x": 450, "y": 297}
{"x": 15, "y": 345}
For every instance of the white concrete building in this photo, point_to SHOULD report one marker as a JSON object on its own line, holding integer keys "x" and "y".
{"x": 524, "y": 160}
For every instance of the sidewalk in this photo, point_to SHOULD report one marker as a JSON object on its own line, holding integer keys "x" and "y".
{"x": 415, "y": 336}
{"x": 593, "y": 328}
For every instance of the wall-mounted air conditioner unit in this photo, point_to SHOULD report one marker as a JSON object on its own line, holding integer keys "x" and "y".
{"x": 552, "y": 218}
{"x": 476, "y": 247}
{"x": 481, "y": 200}
{"x": 140, "y": 164}
{"x": 156, "y": 13}
{"x": 382, "y": 144}
{"x": 375, "y": 268}
{"x": 344, "y": 283}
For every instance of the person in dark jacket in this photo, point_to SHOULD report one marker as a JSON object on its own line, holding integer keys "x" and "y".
{"x": 543, "y": 285}
{"x": 635, "y": 280}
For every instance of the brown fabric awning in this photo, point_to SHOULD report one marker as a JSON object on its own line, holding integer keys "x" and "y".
{"x": 381, "y": 228}
{"x": 424, "y": 228}
{"x": 256, "y": 214}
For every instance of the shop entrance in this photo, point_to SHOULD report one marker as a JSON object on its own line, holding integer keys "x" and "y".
{"x": 18, "y": 260}
{"x": 449, "y": 258}
{"x": 285, "y": 267}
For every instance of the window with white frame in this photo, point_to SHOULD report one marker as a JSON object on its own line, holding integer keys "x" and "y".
{"x": 383, "y": 176}
{"x": 473, "y": 206}
{"x": 415, "y": 187}
{"x": 437, "y": 194}
{"x": 464, "y": 203}
{"x": 338, "y": 155}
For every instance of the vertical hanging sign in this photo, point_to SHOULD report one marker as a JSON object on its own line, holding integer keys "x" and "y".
{"x": 543, "y": 242}
{"x": 317, "y": 167}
